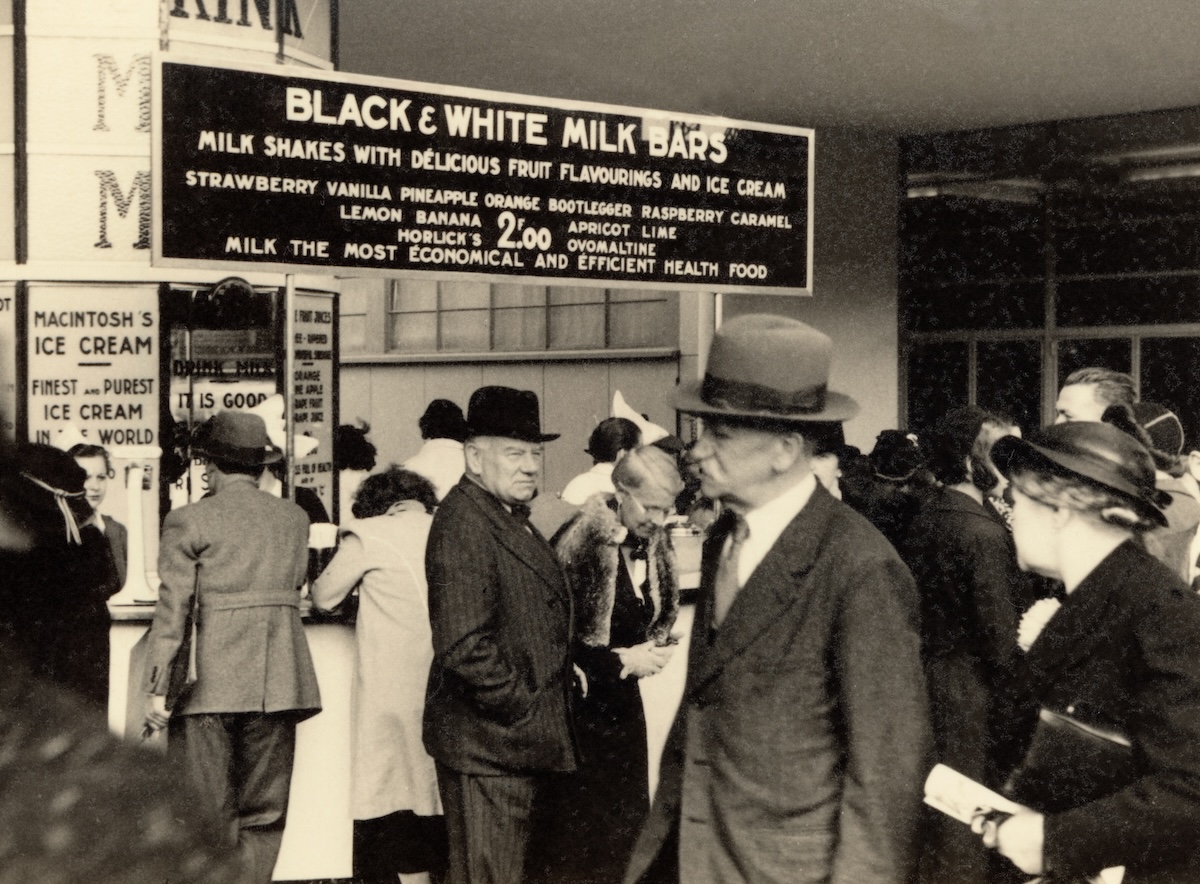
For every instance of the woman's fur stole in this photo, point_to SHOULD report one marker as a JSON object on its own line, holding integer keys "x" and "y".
{"x": 587, "y": 547}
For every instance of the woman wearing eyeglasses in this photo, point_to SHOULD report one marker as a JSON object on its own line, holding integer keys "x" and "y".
{"x": 621, "y": 569}
{"x": 1113, "y": 775}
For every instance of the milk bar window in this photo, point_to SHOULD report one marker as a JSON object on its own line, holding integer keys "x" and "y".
{"x": 519, "y": 317}
{"x": 640, "y": 318}
{"x": 465, "y": 317}
{"x": 470, "y": 317}
{"x": 352, "y": 314}
{"x": 577, "y": 318}
{"x": 413, "y": 316}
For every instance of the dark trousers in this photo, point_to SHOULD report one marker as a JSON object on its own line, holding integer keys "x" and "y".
{"x": 488, "y": 824}
{"x": 240, "y": 765}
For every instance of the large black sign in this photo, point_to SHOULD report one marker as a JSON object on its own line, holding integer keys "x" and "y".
{"x": 280, "y": 170}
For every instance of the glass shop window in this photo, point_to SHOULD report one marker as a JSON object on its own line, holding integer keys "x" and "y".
{"x": 938, "y": 380}
{"x": 1008, "y": 379}
{"x": 1111, "y": 353}
{"x": 429, "y": 316}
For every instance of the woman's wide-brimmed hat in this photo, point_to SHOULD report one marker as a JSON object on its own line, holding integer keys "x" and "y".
{"x": 48, "y": 498}
{"x": 238, "y": 437}
{"x": 767, "y": 367}
{"x": 1094, "y": 452}
{"x": 503, "y": 411}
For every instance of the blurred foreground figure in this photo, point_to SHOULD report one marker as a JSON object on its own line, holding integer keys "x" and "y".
{"x": 77, "y": 804}
{"x": 53, "y": 593}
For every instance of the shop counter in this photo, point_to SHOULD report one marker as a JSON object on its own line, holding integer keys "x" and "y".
{"x": 317, "y": 842}
{"x": 318, "y": 838}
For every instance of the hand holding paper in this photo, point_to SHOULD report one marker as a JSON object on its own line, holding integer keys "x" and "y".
{"x": 961, "y": 797}
{"x": 986, "y": 812}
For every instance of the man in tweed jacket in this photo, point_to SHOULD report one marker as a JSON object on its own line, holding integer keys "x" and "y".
{"x": 247, "y": 550}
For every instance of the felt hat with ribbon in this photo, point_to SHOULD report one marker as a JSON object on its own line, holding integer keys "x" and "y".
{"x": 236, "y": 436}
{"x": 1093, "y": 452}
{"x": 770, "y": 368}
{"x": 503, "y": 411}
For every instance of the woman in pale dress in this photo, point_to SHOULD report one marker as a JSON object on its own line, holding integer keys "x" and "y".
{"x": 394, "y": 799}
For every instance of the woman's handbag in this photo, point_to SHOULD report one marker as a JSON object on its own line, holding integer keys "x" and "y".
{"x": 1070, "y": 763}
{"x": 182, "y": 676}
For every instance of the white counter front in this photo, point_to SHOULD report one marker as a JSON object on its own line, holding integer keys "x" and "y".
{"x": 318, "y": 839}
{"x": 317, "y": 842}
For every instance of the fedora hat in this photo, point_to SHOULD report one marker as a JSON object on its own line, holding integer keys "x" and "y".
{"x": 236, "y": 436}
{"x": 503, "y": 411}
{"x": 1096, "y": 453}
{"x": 767, "y": 367}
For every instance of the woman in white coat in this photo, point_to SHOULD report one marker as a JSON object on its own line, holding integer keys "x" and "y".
{"x": 394, "y": 799}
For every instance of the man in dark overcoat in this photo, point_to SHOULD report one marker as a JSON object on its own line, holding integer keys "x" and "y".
{"x": 498, "y": 701}
{"x": 245, "y": 552}
{"x": 802, "y": 740}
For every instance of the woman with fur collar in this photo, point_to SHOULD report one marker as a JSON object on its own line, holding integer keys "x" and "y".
{"x": 621, "y": 569}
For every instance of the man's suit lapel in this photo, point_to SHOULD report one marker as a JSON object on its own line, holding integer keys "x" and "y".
{"x": 766, "y": 596}
{"x": 527, "y": 546}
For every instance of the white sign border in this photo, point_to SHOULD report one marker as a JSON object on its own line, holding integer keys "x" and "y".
{"x": 157, "y": 260}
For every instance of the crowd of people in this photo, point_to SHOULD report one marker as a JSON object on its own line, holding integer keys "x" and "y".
{"x": 1010, "y": 602}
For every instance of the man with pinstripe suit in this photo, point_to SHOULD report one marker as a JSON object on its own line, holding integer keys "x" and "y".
{"x": 498, "y": 701}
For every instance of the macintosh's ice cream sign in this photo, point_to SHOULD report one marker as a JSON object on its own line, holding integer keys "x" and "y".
{"x": 278, "y": 169}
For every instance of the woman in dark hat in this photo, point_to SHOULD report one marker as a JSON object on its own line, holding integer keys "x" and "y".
{"x": 887, "y": 486}
{"x": 53, "y": 594}
{"x": 1112, "y": 777}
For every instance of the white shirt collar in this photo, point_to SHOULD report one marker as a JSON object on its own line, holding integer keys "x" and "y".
{"x": 1193, "y": 554}
{"x": 768, "y": 521}
{"x": 1189, "y": 482}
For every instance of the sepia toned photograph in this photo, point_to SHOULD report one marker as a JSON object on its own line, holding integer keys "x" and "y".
{"x": 599, "y": 443}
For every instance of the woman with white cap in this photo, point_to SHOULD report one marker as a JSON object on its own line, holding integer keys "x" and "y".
{"x": 1113, "y": 775}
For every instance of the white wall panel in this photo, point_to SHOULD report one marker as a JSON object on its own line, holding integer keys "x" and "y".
{"x": 87, "y": 208}
{"x": 89, "y": 93}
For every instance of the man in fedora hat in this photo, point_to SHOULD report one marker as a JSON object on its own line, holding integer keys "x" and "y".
{"x": 245, "y": 552}
{"x": 802, "y": 739}
{"x": 497, "y": 704}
